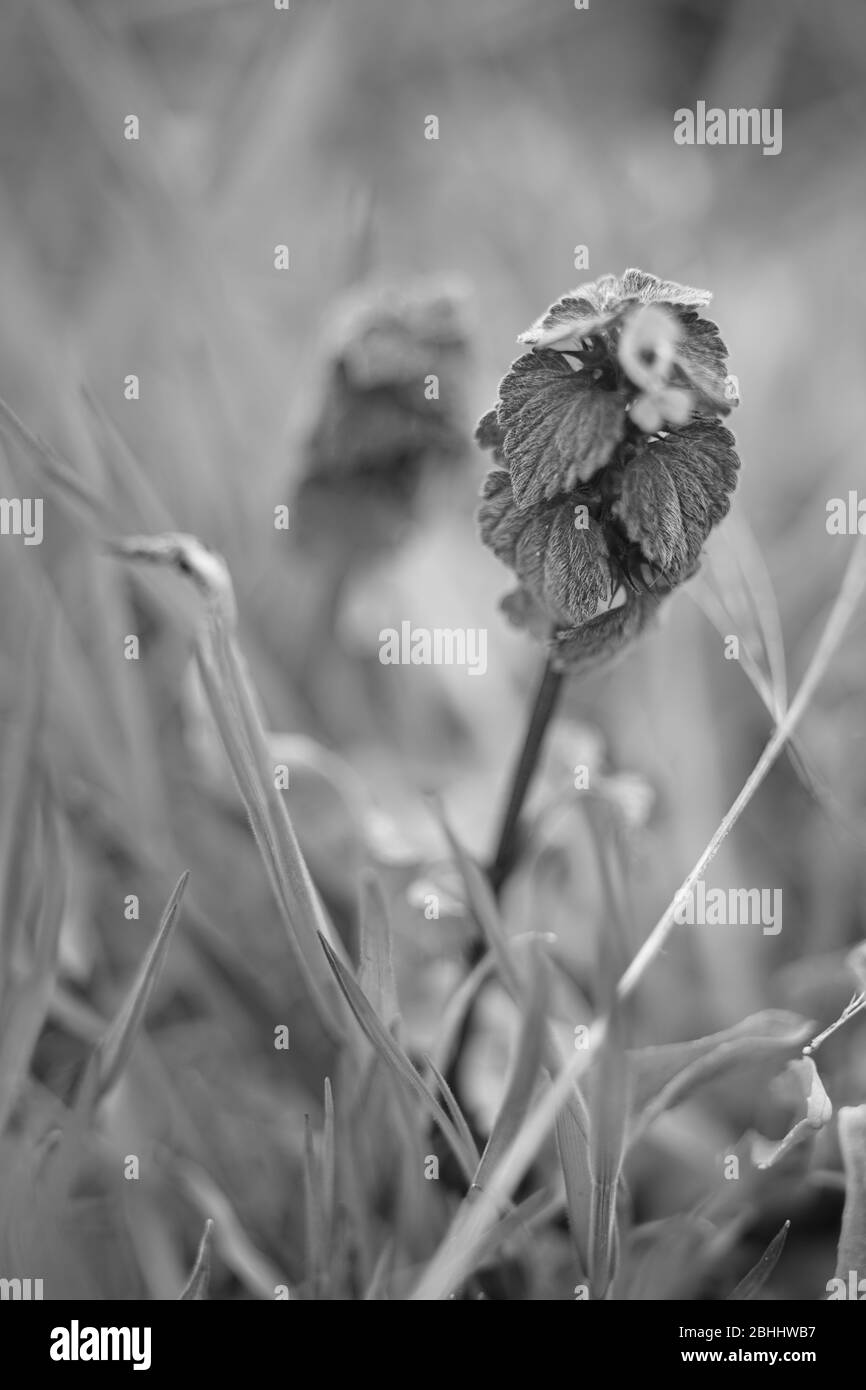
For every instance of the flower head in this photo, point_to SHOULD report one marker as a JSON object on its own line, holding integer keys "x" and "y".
{"x": 392, "y": 408}
{"x": 613, "y": 463}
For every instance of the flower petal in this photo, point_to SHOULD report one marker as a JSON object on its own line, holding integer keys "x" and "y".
{"x": 647, "y": 344}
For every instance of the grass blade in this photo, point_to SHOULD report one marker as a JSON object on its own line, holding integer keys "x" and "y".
{"x": 572, "y": 1146}
{"x": 397, "y": 1061}
{"x": 754, "y": 1281}
{"x": 818, "y": 1106}
{"x": 453, "y": 1108}
{"x": 240, "y": 728}
{"x": 376, "y": 967}
{"x": 524, "y": 1074}
{"x": 608, "y": 1119}
{"x": 113, "y": 1052}
{"x": 199, "y": 1280}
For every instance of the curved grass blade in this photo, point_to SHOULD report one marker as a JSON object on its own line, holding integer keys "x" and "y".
{"x": 524, "y": 1074}
{"x": 607, "y": 1133}
{"x": 376, "y": 967}
{"x": 235, "y": 712}
{"x": 818, "y": 1108}
{"x": 254, "y": 1270}
{"x": 460, "y": 1122}
{"x": 665, "y": 1075}
{"x": 199, "y": 1280}
{"x": 754, "y": 1281}
{"x": 381, "y": 1276}
{"x": 397, "y": 1060}
{"x": 113, "y": 1052}
{"x": 315, "y": 1240}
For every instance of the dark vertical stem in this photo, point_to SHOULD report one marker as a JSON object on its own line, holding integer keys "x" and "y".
{"x": 546, "y": 699}
{"x": 508, "y": 846}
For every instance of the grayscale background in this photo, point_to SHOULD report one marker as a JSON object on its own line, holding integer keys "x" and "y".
{"x": 156, "y": 257}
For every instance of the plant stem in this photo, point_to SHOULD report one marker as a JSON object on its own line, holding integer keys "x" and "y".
{"x": 546, "y": 699}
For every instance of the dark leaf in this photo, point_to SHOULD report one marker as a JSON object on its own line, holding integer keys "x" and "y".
{"x": 674, "y": 490}
{"x": 560, "y": 425}
{"x": 605, "y": 636}
{"x": 563, "y": 566}
{"x": 649, "y": 507}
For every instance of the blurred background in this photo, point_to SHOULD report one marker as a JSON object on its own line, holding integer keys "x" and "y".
{"x": 156, "y": 257}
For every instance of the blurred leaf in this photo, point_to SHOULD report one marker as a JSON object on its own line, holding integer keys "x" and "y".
{"x": 754, "y": 1281}
{"x": 243, "y": 740}
{"x": 253, "y": 1269}
{"x": 609, "y": 1109}
{"x": 818, "y": 1113}
{"x": 511, "y": 1224}
{"x": 524, "y": 1073}
{"x": 235, "y": 712}
{"x": 483, "y": 906}
{"x": 199, "y": 1280}
{"x": 113, "y": 1052}
{"x": 572, "y": 1144}
{"x": 664, "y": 1076}
{"x": 376, "y": 969}
{"x": 572, "y": 1123}
{"x": 22, "y": 783}
{"x": 397, "y": 1060}
{"x": 27, "y": 992}
{"x": 329, "y": 1159}
{"x": 381, "y": 1277}
{"x": 667, "y": 1260}
{"x": 55, "y": 473}
{"x": 852, "y": 1238}
{"x": 856, "y": 963}
{"x": 451, "y": 1103}
{"x": 457, "y": 1008}
{"x": 314, "y": 1217}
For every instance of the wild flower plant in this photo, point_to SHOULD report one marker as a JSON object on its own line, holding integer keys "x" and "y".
{"x": 613, "y": 464}
{"x": 612, "y": 420}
